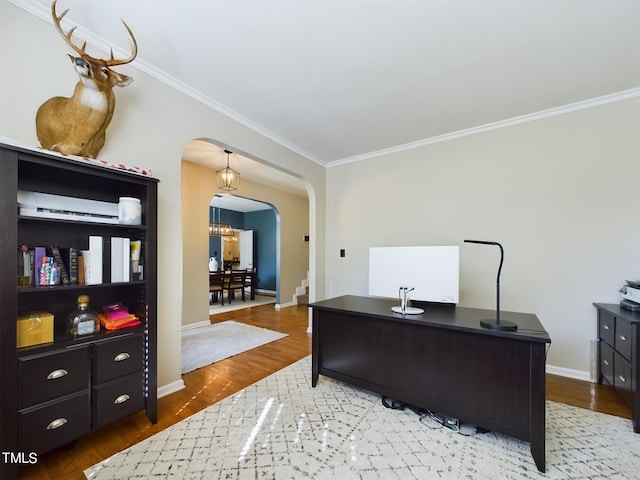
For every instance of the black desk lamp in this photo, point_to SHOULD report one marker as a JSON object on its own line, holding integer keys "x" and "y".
{"x": 491, "y": 323}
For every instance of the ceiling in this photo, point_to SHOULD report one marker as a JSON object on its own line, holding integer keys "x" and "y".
{"x": 345, "y": 80}
{"x": 238, "y": 204}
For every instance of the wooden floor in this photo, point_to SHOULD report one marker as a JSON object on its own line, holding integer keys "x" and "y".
{"x": 213, "y": 383}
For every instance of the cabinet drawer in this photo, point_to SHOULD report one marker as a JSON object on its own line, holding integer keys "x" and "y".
{"x": 48, "y": 376}
{"x": 623, "y": 338}
{"x": 116, "y": 358}
{"x": 117, "y": 399}
{"x": 606, "y": 327}
{"x": 54, "y": 424}
{"x": 623, "y": 379}
{"x": 606, "y": 363}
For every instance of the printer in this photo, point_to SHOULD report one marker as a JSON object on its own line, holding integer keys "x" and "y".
{"x": 630, "y": 296}
{"x": 44, "y": 205}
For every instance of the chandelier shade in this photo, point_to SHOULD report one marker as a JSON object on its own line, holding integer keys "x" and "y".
{"x": 217, "y": 228}
{"x": 228, "y": 179}
{"x": 220, "y": 230}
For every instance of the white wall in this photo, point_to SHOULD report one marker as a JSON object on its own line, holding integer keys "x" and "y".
{"x": 559, "y": 194}
{"x": 151, "y": 125}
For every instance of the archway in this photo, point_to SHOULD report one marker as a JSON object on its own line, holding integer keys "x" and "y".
{"x": 199, "y": 186}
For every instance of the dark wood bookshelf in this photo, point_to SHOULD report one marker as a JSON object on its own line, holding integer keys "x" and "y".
{"x": 38, "y": 415}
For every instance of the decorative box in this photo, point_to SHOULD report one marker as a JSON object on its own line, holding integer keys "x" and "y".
{"x": 34, "y": 328}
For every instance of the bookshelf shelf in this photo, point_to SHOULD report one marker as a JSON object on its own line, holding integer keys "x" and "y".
{"x": 77, "y": 223}
{"x": 36, "y": 290}
{"x": 28, "y": 398}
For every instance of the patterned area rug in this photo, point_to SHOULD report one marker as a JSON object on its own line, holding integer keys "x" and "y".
{"x": 282, "y": 428}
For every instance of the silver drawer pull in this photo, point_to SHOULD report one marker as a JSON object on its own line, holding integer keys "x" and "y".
{"x": 622, "y": 337}
{"x": 121, "y": 356}
{"x": 61, "y": 372}
{"x": 622, "y": 379}
{"x": 606, "y": 362}
{"x": 605, "y": 326}
{"x": 57, "y": 423}
{"x": 121, "y": 399}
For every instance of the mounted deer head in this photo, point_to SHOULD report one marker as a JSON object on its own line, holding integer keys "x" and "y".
{"x": 77, "y": 125}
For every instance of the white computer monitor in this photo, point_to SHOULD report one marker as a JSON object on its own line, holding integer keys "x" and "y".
{"x": 432, "y": 271}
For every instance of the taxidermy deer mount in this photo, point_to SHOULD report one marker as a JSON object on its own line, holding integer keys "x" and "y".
{"x": 77, "y": 125}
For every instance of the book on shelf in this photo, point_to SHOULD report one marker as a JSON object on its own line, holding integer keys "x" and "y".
{"x": 86, "y": 263}
{"x": 38, "y": 254}
{"x": 60, "y": 266}
{"x": 93, "y": 272}
{"x": 81, "y": 267}
{"x": 32, "y": 268}
{"x": 135, "y": 253}
{"x": 120, "y": 264}
{"x": 70, "y": 260}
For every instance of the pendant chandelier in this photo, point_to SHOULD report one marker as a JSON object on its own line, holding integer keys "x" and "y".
{"x": 228, "y": 179}
{"x": 217, "y": 228}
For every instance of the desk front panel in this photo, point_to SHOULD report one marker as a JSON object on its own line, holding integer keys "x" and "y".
{"x": 480, "y": 379}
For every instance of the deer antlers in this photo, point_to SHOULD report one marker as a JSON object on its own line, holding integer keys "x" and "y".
{"x": 81, "y": 51}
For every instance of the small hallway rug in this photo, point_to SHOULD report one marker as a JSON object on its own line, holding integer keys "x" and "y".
{"x": 238, "y": 304}
{"x": 282, "y": 428}
{"x": 209, "y": 344}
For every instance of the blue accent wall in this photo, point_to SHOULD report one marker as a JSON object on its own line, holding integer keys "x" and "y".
{"x": 265, "y": 248}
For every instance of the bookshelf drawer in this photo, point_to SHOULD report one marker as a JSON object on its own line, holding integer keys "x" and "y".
{"x": 54, "y": 424}
{"x": 116, "y": 358}
{"x": 52, "y": 375}
{"x": 117, "y": 399}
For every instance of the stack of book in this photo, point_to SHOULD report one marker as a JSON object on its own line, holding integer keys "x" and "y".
{"x": 117, "y": 316}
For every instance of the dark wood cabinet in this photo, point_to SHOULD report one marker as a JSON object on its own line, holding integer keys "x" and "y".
{"x": 55, "y": 392}
{"x": 618, "y": 343}
{"x": 50, "y": 375}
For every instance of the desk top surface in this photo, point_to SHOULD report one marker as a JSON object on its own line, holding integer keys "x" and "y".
{"x": 440, "y": 315}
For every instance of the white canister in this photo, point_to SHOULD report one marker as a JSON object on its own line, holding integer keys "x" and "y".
{"x": 130, "y": 211}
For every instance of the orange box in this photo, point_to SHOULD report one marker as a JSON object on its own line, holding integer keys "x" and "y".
{"x": 34, "y": 328}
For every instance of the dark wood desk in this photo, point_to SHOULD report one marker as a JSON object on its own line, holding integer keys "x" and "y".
{"x": 441, "y": 361}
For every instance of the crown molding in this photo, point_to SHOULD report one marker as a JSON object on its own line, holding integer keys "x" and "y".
{"x": 531, "y": 117}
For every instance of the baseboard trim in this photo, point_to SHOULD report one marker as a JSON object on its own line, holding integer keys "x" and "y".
{"x": 268, "y": 293}
{"x": 567, "y": 372}
{"x": 285, "y": 305}
{"x": 170, "y": 388}
{"x": 191, "y": 326}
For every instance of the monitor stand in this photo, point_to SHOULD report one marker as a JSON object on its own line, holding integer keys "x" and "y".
{"x": 403, "y": 309}
{"x": 407, "y": 310}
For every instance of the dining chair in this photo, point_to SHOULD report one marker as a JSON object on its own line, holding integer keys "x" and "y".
{"x": 249, "y": 280}
{"x": 216, "y": 286}
{"x": 236, "y": 280}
